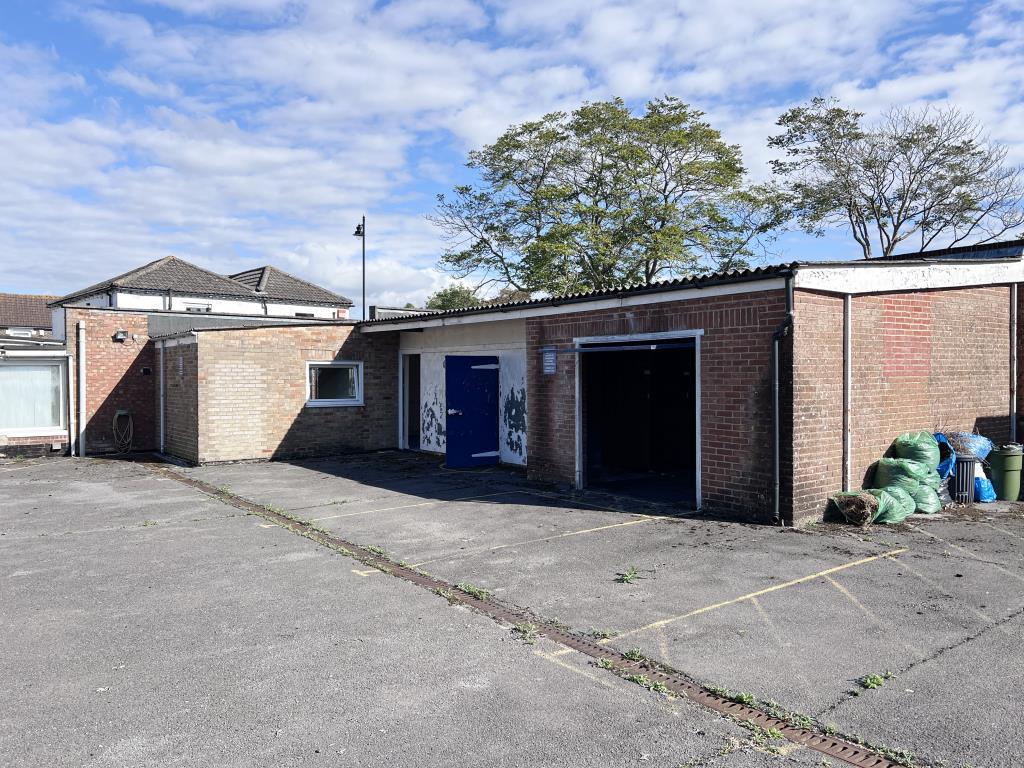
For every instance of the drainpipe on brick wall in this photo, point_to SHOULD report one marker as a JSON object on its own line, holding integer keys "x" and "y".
{"x": 81, "y": 389}
{"x": 160, "y": 346}
{"x": 1013, "y": 363}
{"x": 780, "y": 333}
{"x": 847, "y": 385}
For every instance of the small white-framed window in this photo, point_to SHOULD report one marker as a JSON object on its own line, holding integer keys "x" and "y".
{"x": 195, "y": 307}
{"x": 334, "y": 383}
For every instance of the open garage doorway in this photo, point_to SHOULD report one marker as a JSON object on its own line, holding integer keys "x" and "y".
{"x": 639, "y": 417}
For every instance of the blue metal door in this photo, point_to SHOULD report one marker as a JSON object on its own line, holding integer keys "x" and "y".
{"x": 471, "y": 401}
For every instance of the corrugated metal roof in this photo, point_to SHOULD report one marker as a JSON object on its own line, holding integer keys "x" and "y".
{"x": 717, "y": 278}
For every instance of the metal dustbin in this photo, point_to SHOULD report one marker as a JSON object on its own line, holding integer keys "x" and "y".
{"x": 962, "y": 482}
{"x": 1006, "y": 463}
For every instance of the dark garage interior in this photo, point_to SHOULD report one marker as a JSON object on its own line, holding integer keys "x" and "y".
{"x": 639, "y": 420}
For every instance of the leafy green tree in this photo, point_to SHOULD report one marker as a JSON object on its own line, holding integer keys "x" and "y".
{"x": 453, "y": 297}
{"x": 510, "y": 295}
{"x": 912, "y": 179}
{"x": 602, "y": 198}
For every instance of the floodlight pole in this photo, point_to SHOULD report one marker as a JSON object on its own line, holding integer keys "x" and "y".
{"x": 364, "y": 267}
{"x": 361, "y": 234}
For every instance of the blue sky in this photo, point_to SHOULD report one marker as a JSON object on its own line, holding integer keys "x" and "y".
{"x": 242, "y": 132}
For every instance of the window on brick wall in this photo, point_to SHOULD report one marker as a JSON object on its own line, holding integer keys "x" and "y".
{"x": 32, "y": 398}
{"x": 335, "y": 383}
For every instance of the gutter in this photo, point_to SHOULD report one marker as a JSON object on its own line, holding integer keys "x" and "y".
{"x": 780, "y": 333}
{"x": 1013, "y": 363}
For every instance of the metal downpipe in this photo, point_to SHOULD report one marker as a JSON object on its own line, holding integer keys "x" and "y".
{"x": 781, "y": 332}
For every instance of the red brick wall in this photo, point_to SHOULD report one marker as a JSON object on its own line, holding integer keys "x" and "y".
{"x": 817, "y": 401}
{"x": 922, "y": 360}
{"x": 114, "y": 375}
{"x": 736, "y": 443}
{"x": 252, "y": 393}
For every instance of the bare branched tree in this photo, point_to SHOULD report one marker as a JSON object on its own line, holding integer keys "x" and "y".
{"x": 915, "y": 179}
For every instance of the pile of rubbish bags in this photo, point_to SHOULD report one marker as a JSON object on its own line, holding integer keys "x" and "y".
{"x": 915, "y": 478}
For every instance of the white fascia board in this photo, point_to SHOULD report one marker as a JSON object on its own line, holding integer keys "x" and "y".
{"x": 885, "y": 278}
{"x": 184, "y": 339}
{"x": 546, "y": 310}
{"x": 53, "y": 355}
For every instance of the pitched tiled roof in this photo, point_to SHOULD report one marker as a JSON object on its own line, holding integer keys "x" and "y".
{"x": 273, "y": 283}
{"x": 182, "y": 277}
{"x": 22, "y": 310}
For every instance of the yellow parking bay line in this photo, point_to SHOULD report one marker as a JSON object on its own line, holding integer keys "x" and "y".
{"x": 459, "y": 555}
{"x": 969, "y": 553}
{"x": 758, "y": 593}
{"x": 410, "y": 506}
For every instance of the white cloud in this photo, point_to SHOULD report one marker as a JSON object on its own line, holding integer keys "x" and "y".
{"x": 244, "y": 131}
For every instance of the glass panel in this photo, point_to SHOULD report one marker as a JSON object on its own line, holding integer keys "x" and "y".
{"x": 30, "y": 396}
{"x": 332, "y": 382}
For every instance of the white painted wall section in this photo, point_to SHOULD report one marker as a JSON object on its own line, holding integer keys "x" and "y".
{"x": 507, "y": 341}
{"x": 881, "y": 277}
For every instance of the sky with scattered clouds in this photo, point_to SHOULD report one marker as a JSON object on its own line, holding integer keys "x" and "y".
{"x": 240, "y": 132}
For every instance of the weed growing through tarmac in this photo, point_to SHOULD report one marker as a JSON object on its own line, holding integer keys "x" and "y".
{"x": 763, "y": 738}
{"x": 872, "y": 681}
{"x": 769, "y": 707}
{"x": 628, "y": 576}
{"x": 447, "y": 594}
{"x": 375, "y": 549}
{"x": 478, "y": 592}
{"x": 898, "y": 756}
{"x": 645, "y": 682}
{"x": 603, "y": 634}
{"x": 634, "y": 654}
{"x": 148, "y": 523}
{"x": 527, "y": 632}
{"x": 278, "y": 511}
{"x": 606, "y": 663}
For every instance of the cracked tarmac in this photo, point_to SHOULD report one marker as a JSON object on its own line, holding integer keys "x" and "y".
{"x": 796, "y": 617}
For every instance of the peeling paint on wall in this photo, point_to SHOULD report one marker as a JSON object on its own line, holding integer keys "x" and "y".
{"x": 513, "y": 421}
{"x": 432, "y": 424}
{"x": 507, "y": 340}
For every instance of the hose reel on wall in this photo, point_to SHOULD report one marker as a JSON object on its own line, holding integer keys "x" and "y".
{"x": 123, "y": 427}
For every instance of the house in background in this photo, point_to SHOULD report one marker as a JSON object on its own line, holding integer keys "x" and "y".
{"x": 82, "y": 367}
{"x": 33, "y": 377}
{"x": 24, "y": 316}
{"x": 171, "y": 284}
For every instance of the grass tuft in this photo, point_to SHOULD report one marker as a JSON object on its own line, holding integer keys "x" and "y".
{"x": 628, "y": 576}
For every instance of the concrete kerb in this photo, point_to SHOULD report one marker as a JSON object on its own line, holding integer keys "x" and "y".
{"x": 799, "y": 729}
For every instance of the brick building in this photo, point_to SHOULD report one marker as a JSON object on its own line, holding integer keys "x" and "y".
{"x": 758, "y": 393}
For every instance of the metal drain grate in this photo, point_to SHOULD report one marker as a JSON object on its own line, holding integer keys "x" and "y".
{"x": 675, "y": 682}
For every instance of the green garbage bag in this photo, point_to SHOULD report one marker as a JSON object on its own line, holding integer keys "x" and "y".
{"x": 926, "y": 500}
{"x": 932, "y": 480}
{"x": 918, "y": 446}
{"x": 894, "y": 504}
{"x": 904, "y": 473}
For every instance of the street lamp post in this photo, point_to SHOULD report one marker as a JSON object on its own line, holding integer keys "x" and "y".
{"x": 361, "y": 234}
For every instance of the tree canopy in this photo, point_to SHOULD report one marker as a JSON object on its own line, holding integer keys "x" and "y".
{"x": 602, "y": 198}
{"x": 913, "y": 179}
{"x": 453, "y": 297}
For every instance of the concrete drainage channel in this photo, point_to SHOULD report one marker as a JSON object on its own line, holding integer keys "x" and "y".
{"x": 653, "y": 675}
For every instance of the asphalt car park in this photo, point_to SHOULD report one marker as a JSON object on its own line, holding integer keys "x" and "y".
{"x": 223, "y": 636}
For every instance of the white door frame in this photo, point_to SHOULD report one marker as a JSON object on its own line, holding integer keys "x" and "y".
{"x": 694, "y": 334}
